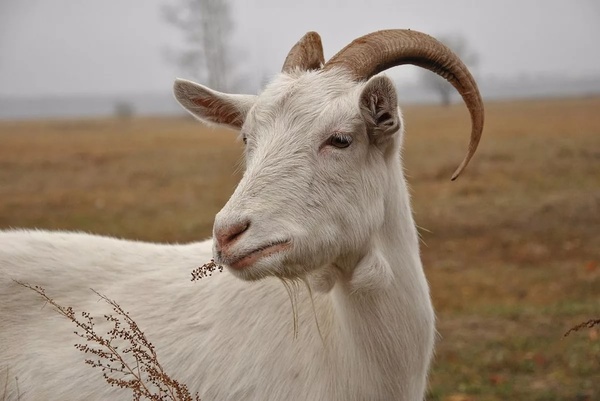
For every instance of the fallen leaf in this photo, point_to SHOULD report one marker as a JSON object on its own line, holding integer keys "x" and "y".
{"x": 539, "y": 359}
{"x": 591, "y": 266}
{"x": 496, "y": 379}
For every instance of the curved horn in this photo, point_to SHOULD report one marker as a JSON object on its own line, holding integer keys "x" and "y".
{"x": 378, "y": 51}
{"x": 306, "y": 55}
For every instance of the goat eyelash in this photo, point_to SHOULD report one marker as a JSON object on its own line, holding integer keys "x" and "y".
{"x": 339, "y": 140}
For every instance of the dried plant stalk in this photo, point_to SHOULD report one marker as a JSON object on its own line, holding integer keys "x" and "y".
{"x": 205, "y": 270}
{"x": 589, "y": 324}
{"x": 135, "y": 365}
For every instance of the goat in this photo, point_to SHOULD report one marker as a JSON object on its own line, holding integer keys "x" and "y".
{"x": 323, "y": 200}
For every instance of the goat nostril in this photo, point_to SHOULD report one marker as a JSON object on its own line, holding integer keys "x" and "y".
{"x": 228, "y": 235}
{"x": 237, "y": 231}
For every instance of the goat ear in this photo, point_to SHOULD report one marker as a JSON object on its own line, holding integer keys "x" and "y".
{"x": 379, "y": 107}
{"x": 211, "y": 106}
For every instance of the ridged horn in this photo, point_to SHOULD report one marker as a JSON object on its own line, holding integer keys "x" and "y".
{"x": 378, "y": 51}
{"x": 306, "y": 55}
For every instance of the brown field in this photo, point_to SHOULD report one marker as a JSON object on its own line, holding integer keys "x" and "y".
{"x": 512, "y": 249}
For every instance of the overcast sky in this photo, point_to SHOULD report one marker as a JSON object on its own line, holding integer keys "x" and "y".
{"x": 53, "y": 47}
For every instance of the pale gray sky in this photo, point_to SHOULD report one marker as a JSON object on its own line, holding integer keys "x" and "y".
{"x": 52, "y": 47}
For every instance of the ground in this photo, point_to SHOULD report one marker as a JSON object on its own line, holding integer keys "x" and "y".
{"x": 511, "y": 249}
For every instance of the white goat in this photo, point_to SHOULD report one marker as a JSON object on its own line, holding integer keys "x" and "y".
{"x": 323, "y": 199}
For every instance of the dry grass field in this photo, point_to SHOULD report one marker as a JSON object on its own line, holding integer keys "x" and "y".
{"x": 512, "y": 249}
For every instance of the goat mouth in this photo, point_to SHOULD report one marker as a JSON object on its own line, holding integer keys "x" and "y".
{"x": 254, "y": 255}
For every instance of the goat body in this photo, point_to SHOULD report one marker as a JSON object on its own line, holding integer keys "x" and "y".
{"x": 225, "y": 338}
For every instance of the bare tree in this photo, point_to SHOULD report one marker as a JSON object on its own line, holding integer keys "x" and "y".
{"x": 207, "y": 27}
{"x": 459, "y": 45}
{"x": 124, "y": 110}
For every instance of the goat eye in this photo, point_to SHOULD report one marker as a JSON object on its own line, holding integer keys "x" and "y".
{"x": 245, "y": 140}
{"x": 339, "y": 141}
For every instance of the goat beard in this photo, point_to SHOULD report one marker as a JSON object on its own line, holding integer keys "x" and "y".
{"x": 292, "y": 287}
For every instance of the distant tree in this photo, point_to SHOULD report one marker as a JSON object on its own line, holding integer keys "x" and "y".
{"x": 124, "y": 110}
{"x": 207, "y": 27}
{"x": 459, "y": 45}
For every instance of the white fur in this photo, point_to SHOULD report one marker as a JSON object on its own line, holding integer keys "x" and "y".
{"x": 347, "y": 216}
